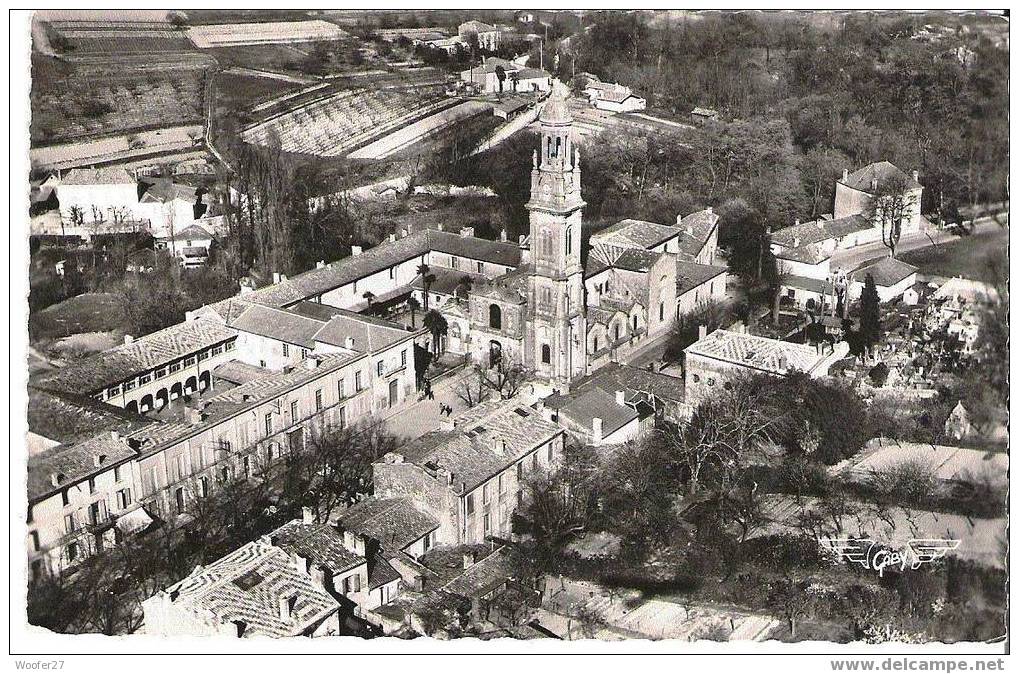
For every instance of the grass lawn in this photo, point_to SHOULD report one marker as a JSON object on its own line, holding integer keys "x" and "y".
{"x": 966, "y": 256}
{"x": 90, "y": 312}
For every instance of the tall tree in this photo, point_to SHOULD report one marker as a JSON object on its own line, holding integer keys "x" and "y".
{"x": 870, "y": 314}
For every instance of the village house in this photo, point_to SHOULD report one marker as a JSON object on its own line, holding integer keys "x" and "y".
{"x": 891, "y": 277}
{"x": 612, "y": 97}
{"x": 470, "y": 475}
{"x": 517, "y": 78}
{"x": 712, "y": 361}
{"x": 489, "y": 37}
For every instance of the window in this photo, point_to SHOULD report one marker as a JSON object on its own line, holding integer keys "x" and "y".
{"x": 63, "y": 497}
{"x": 72, "y": 551}
{"x": 546, "y": 354}
{"x": 286, "y": 350}
{"x": 454, "y": 262}
{"x": 318, "y": 400}
{"x": 635, "y": 324}
{"x": 229, "y": 346}
{"x": 392, "y": 273}
{"x": 247, "y": 466}
{"x": 486, "y": 493}
{"x": 470, "y": 504}
{"x": 188, "y": 362}
{"x": 696, "y": 378}
{"x": 551, "y": 449}
{"x": 216, "y": 350}
{"x": 502, "y": 485}
{"x": 661, "y": 311}
{"x": 113, "y": 390}
{"x": 380, "y": 367}
{"x": 116, "y": 473}
{"x": 569, "y": 240}
{"x": 224, "y": 474}
{"x": 520, "y": 472}
{"x": 203, "y": 486}
{"x": 339, "y": 389}
{"x": 304, "y": 353}
{"x": 144, "y": 379}
{"x": 495, "y": 317}
{"x": 343, "y": 417}
{"x": 426, "y": 543}
{"x": 29, "y": 518}
{"x": 403, "y": 358}
{"x": 534, "y": 461}
{"x": 481, "y": 267}
{"x": 91, "y": 485}
{"x": 488, "y": 523}
{"x": 97, "y": 512}
{"x": 352, "y": 584}
{"x": 174, "y": 367}
{"x": 70, "y": 526}
{"x": 123, "y": 498}
{"x": 129, "y": 385}
{"x": 357, "y": 381}
{"x": 178, "y": 500}
{"x": 616, "y": 328}
{"x": 268, "y": 424}
{"x": 294, "y": 407}
{"x": 596, "y": 343}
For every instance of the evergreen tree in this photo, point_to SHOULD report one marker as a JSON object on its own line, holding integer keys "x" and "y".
{"x": 870, "y": 313}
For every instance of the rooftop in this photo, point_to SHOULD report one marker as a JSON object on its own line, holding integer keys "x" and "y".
{"x": 319, "y": 543}
{"x": 887, "y": 272}
{"x": 69, "y": 417}
{"x": 760, "y": 353}
{"x": 191, "y": 232}
{"x": 68, "y": 464}
{"x": 593, "y": 403}
{"x": 247, "y": 587}
{"x": 691, "y": 275}
{"x": 98, "y": 176}
{"x": 815, "y": 231}
{"x": 394, "y": 522}
{"x": 125, "y": 361}
{"x": 639, "y": 233}
{"x": 883, "y": 172}
{"x": 278, "y": 324}
{"x": 163, "y": 190}
{"x": 487, "y": 439}
{"x": 617, "y": 377}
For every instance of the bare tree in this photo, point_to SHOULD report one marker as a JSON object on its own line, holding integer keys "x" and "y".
{"x": 891, "y": 204}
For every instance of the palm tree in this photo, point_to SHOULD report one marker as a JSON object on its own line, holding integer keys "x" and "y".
{"x": 413, "y": 304}
{"x": 437, "y": 325}
{"x": 426, "y": 278}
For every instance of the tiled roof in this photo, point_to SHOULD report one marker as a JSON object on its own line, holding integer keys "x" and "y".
{"x": 639, "y": 233}
{"x": 761, "y": 353}
{"x": 532, "y": 74}
{"x": 270, "y": 387}
{"x": 602, "y": 315}
{"x": 278, "y": 324}
{"x": 195, "y": 232}
{"x": 478, "y": 26}
{"x": 582, "y": 408}
{"x": 807, "y": 283}
{"x": 690, "y": 275}
{"x": 816, "y": 231}
{"x": 75, "y": 462}
{"x": 69, "y": 417}
{"x": 637, "y": 260}
{"x": 394, "y": 522}
{"x": 617, "y": 377}
{"x": 696, "y": 229}
{"x": 99, "y": 176}
{"x": 510, "y": 287}
{"x": 248, "y": 585}
{"x": 368, "y": 335}
{"x": 321, "y": 544}
{"x": 881, "y": 171}
{"x": 239, "y": 372}
{"x": 813, "y": 254}
{"x": 474, "y": 451}
{"x": 446, "y": 280}
{"x": 886, "y": 272}
{"x": 113, "y": 366}
{"x": 381, "y": 572}
{"x": 482, "y": 577}
{"x": 163, "y": 190}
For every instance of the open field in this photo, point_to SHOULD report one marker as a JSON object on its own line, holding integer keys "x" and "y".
{"x": 71, "y": 102}
{"x": 965, "y": 257}
{"x": 90, "y": 312}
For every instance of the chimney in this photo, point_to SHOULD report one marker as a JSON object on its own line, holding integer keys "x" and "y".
{"x": 466, "y": 231}
{"x": 797, "y": 221}
{"x": 845, "y": 174}
{"x": 440, "y": 227}
{"x": 596, "y": 428}
{"x": 796, "y": 242}
{"x": 193, "y": 415}
{"x": 403, "y": 232}
{"x": 522, "y": 237}
{"x": 469, "y": 559}
{"x": 503, "y": 236}
{"x": 349, "y": 342}
{"x": 620, "y": 398}
{"x": 916, "y": 175}
{"x": 679, "y": 219}
{"x": 710, "y": 209}
{"x": 321, "y": 264}
{"x": 873, "y": 184}
{"x": 348, "y": 540}
{"x": 239, "y": 627}
{"x": 301, "y": 562}
{"x": 783, "y": 362}
{"x": 277, "y": 277}
{"x": 128, "y": 339}
{"x": 392, "y": 238}
{"x": 56, "y": 479}
{"x": 702, "y": 331}
{"x": 286, "y": 603}
{"x": 310, "y": 363}
{"x": 321, "y": 576}
{"x": 115, "y": 436}
{"x": 98, "y": 459}
{"x": 355, "y": 251}
{"x": 307, "y": 515}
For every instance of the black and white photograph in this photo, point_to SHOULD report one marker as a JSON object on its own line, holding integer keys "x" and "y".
{"x": 439, "y": 330}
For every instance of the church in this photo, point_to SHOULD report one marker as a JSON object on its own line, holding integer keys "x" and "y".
{"x": 561, "y": 317}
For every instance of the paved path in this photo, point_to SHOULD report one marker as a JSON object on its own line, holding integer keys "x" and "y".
{"x": 423, "y": 416}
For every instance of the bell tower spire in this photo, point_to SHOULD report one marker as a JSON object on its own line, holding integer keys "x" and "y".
{"x": 557, "y": 329}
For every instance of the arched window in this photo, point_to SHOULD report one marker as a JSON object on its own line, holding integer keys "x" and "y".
{"x": 494, "y": 317}
{"x": 635, "y": 323}
{"x": 546, "y": 354}
{"x": 596, "y": 343}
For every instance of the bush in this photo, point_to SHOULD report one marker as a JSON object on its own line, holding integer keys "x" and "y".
{"x": 879, "y": 374}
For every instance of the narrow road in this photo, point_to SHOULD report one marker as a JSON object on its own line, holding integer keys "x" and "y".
{"x": 853, "y": 259}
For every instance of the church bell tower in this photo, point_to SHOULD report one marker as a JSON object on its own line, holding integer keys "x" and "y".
{"x": 555, "y": 342}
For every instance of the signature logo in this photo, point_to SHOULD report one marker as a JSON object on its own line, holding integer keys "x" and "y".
{"x": 869, "y": 554}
